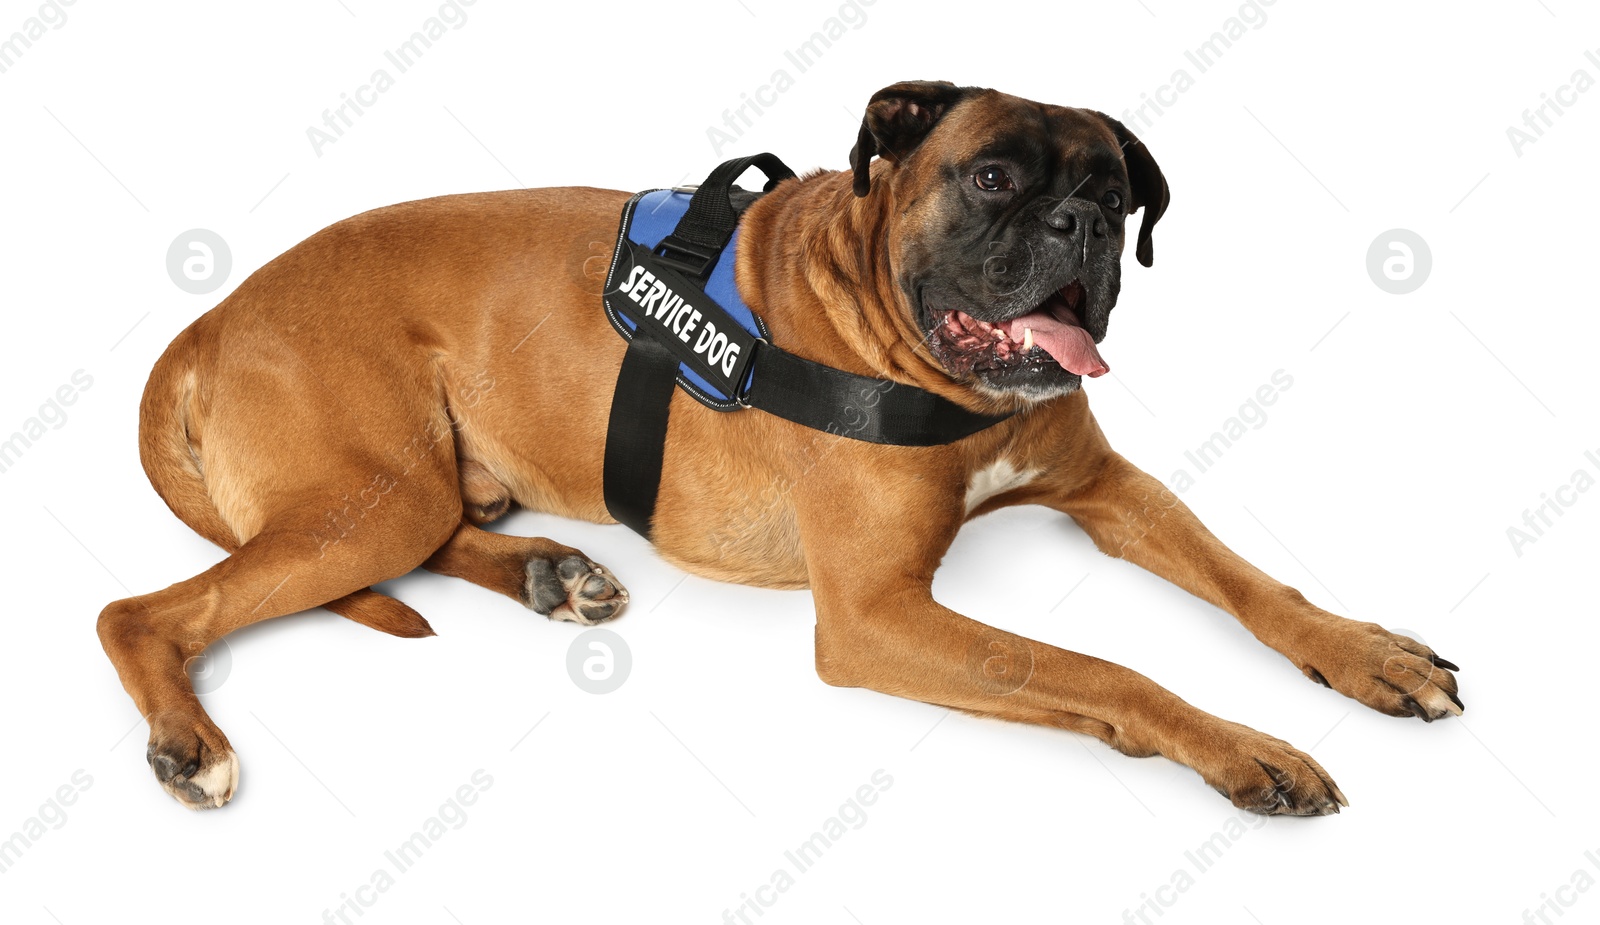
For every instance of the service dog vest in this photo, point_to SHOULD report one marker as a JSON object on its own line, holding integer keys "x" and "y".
{"x": 670, "y": 292}
{"x": 714, "y": 329}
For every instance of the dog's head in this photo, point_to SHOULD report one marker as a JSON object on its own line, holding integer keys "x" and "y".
{"x": 1010, "y": 222}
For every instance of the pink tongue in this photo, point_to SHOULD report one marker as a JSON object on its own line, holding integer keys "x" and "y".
{"x": 1068, "y": 344}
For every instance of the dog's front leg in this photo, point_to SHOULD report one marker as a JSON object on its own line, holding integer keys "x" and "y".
{"x": 1133, "y": 516}
{"x": 879, "y": 627}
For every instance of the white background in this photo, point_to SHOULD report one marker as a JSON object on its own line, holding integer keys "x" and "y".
{"x": 1418, "y": 429}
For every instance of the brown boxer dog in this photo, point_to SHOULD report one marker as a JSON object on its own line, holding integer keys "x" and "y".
{"x": 364, "y": 402}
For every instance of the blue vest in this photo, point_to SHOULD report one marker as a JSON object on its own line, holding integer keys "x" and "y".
{"x": 646, "y": 219}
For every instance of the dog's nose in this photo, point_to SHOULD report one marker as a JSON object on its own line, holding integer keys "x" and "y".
{"x": 1075, "y": 216}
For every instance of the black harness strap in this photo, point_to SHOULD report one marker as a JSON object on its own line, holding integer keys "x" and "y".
{"x": 705, "y": 228}
{"x": 860, "y": 407}
{"x": 636, "y": 435}
{"x": 791, "y": 387}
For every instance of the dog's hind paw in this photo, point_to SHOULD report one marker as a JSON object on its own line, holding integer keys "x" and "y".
{"x": 573, "y": 589}
{"x": 193, "y": 764}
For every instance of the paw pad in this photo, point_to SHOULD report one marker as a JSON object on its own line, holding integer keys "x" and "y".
{"x": 573, "y": 589}
{"x": 197, "y": 778}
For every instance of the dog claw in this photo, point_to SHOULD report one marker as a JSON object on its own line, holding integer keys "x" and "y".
{"x": 1283, "y": 782}
{"x": 1391, "y": 673}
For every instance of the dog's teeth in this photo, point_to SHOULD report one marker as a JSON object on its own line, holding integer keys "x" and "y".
{"x": 1027, "y": 338}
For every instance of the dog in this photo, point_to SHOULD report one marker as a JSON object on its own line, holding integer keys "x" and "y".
{"x": 364, "y": 403}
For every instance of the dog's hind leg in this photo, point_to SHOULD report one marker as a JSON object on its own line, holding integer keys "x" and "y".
{"x": 170, "y": 460}
{"x": 285, "y": 568}
{"x": 541, "y": 574}
{"x": 315, "y": 506}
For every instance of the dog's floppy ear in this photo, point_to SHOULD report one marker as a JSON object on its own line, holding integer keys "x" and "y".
{"x": 1150, "y": 190}
{"x": 898, "y": 117}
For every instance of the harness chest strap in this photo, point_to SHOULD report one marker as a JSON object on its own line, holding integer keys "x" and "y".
{"x": 671, "y": 294}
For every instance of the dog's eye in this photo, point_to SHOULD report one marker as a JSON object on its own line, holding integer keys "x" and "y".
{"x": 992, "y": 179}
{"x": 1112, "y": 200}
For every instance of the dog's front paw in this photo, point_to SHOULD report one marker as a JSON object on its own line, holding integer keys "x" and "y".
{"x": 1388, "y": 672}
{"x": 193, "y": 762}
{"x": 1266, "y": 775}
{"x": 573, "y": 589}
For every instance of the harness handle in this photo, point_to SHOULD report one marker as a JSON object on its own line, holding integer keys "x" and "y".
{"x": 705, "y": 228}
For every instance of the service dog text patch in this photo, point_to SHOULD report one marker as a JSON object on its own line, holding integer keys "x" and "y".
{"x": 706, "y": 325}
{"x": 681, "y": 315}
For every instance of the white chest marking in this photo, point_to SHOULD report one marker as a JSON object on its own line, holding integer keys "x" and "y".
{"x": 996, "y": 478}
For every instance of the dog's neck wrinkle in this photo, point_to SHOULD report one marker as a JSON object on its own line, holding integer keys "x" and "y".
{"x": 841, "y": 274}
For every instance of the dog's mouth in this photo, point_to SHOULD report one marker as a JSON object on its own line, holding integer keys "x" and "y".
{"x": 1051, "y": 333}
